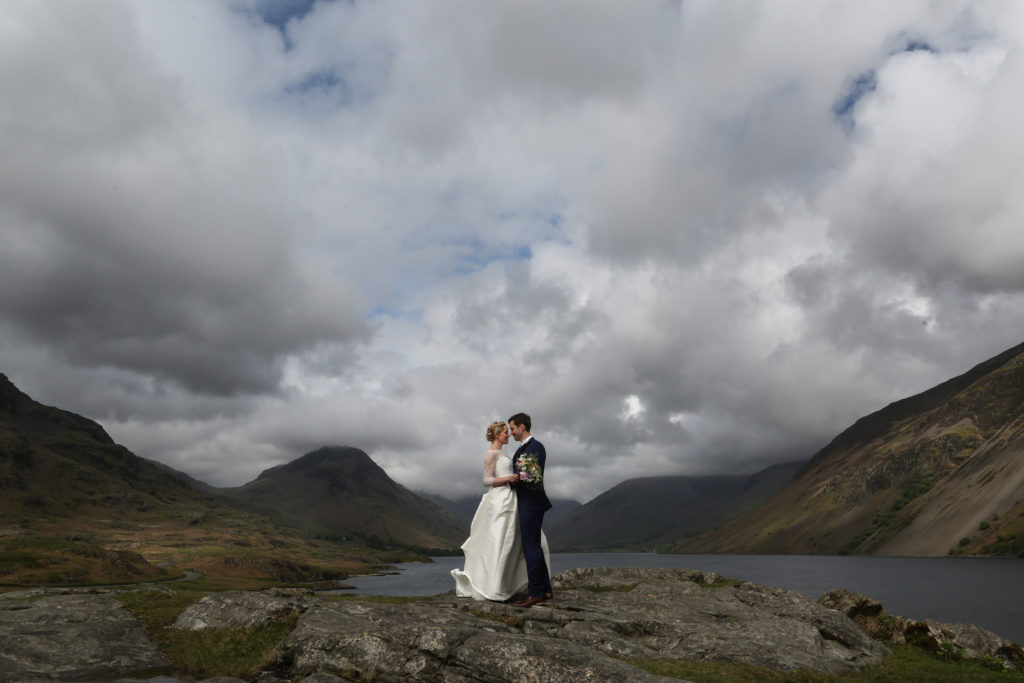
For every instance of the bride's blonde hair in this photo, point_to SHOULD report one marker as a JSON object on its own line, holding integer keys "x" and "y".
{"x": 494, "y": 429}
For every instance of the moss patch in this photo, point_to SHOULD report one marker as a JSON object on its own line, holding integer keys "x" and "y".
{"x": 907, "y": 663}
{"x": 210, "y": 652}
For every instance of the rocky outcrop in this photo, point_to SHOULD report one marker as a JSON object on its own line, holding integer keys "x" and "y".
{"x": 864, "y": 611}
{"x": 956, "y": 641}
{"x": 601, "y": 619}
{"x": 241, "y": 609}
{"x": 70, "y": 636}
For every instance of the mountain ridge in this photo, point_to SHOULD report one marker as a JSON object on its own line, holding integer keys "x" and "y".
{"x": 648, "y": 513}
{"x": 340, "y": 492}
{"x": 937, "y": 473}
{"x": 78, "y": 508}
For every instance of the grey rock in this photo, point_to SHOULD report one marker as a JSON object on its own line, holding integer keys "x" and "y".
{"x": 974, "y": 641}
{"x": 866, "y": 612}
{"x": 599, "y": 617}
{"x": 670, "y": 613}
{"x": 240, "y": 609}
{"x": 73, "y": 636}
{"x": 437, "y": 641}
{"x": 968, "y": 640}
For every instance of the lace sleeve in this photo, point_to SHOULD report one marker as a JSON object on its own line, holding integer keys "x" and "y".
{"x": 490, "y": 463}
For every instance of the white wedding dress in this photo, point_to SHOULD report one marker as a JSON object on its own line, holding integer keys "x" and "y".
{"x": 495, "y": 568}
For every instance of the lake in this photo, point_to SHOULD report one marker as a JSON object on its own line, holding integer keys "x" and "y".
{"x": 982, "y": 591}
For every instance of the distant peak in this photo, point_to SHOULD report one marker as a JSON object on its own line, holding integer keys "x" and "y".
{"x": 346, "y": 457}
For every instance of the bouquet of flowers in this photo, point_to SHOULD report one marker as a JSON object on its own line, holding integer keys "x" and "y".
{"x": 530, "y": 474}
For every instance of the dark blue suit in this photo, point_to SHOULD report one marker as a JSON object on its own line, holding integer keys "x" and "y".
{"x": 533, "y": 503}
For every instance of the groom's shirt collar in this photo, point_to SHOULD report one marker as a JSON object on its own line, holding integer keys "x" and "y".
{"x": 526, "y": 440}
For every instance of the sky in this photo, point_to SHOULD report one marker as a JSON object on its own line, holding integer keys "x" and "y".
{"x": 695, "y": 237}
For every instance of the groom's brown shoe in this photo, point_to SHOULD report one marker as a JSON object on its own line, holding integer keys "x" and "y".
{"x": 530, "y": 601}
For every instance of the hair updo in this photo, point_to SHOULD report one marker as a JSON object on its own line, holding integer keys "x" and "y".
{"x": 494, "y": 429}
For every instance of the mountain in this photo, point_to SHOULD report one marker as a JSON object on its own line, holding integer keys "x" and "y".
{"x": 465, "y": 507}
{"x": 77, "y": 508}
{"x": 63, "y": 483}
{"x": 57, "y": 464}
{"x": 938, "y": 473}
{"x": 340, "y": 493}
{"x": 655, "y": 512}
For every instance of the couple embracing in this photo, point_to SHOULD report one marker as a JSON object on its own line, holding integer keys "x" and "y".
{"x": 506, "y": 552}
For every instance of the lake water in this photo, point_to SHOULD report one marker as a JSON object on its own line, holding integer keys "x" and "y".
{"x": 988, "y": 592}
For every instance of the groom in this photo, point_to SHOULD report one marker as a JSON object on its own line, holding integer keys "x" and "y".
{"x": 533, "y": 503}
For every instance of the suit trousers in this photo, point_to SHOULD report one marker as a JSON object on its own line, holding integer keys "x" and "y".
{"x": 530, "y": 522}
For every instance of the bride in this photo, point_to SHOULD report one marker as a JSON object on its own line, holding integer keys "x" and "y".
{"x": 495, "y": 568}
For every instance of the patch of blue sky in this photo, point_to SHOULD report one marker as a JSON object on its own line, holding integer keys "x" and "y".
{"x": 521, "y": 253}
{"x": 860, "y": 86}
{"x": 905, "y": 41}
{"x": 918, "y": 46}
{"x": 325, "y": 82}
{"x": 278, "y": 13}
{"x": 867, "y": 82}
{"x": 471, "y": 254}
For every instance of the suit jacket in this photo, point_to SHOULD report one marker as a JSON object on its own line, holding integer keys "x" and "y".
{"x": 532, "y": 499}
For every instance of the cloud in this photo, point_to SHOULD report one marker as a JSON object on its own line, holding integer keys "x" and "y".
{"x": 686, "y": 237}
{"x": 144, "y": 232}
{"x": 930, "y": 189}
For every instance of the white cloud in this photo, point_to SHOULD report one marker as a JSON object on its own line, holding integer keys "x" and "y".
{"x": 687, "y": 238}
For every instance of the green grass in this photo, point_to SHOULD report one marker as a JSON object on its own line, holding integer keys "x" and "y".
{"x": 1010, "y": 544}
{"x": 914, "y": 489}
{"x": 210, "y": 652}
{"x": 218, "y": 652}
{"x": 41, "y": 544}
{"x": 907, "y": 663}
{"x": 224, "y": 652}
{"x": 11, "y": 560}
{"x": 242, "y": 652}
{"x": 721, "y": 583}
{"x": 719, "y": 672}
{"x": 158, "y": 609}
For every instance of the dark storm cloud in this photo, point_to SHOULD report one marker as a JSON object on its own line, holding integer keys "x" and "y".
{"x": 134, "y": 238}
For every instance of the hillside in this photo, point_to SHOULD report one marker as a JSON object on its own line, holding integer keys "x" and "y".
{"x": 938, "y": 473}
{"x": 652, "y": 513}
{"x": 340, "y": 493}
{"x": 77, "y": 508}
